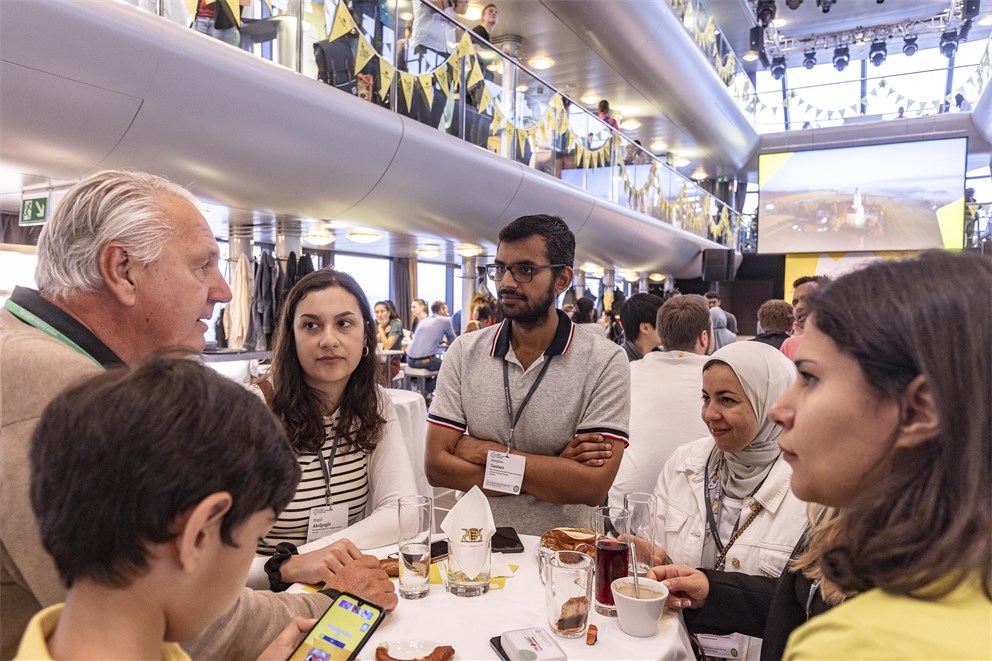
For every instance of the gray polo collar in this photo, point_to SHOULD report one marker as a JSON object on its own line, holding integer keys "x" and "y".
{"x": 559, "y": 345}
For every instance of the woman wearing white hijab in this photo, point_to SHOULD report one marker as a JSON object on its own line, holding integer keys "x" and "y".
{"x": 724, "y": 500}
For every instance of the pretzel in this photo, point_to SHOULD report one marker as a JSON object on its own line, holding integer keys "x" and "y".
{"x": 442, "y": 653}
{"x": 570, "y": 539}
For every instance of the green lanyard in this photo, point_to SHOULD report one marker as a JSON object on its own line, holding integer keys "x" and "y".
{"x": 31, "y": 318}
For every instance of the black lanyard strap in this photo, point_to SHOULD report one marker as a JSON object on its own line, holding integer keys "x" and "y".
{"x": 514, "y": 419}
{"x": 325, "y": 467}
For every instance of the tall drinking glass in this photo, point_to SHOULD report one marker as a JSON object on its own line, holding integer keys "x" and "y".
{"x": 611, "y": 525}
{"x": 643, "y": 508}
{"x": 568, "y": 591}
{"x": 415, "y": 517}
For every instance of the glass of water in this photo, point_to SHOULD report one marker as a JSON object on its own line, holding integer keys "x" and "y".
{"x": 416, "y": 514}
{"x": 643, "y": 508}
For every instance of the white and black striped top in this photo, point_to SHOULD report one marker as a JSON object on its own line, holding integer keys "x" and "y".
{"x": 349, "y": 486}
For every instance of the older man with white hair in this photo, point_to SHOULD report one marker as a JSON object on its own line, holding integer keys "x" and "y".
{"x": 127, "y": 266}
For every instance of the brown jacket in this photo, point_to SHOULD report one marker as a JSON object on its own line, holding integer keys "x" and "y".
{"x": 33, "y": 369}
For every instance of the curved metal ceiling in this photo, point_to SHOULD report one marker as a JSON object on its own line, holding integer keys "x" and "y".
{"x": 662, "y": 62}
{"x": 88, "y": 85}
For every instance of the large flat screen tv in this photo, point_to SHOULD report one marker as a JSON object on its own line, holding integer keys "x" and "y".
{"x": 897, "y": 196}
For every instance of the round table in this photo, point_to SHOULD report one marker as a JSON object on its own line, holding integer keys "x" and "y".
{"x": 467, "y": 623}
{"x": 411, "y": 409}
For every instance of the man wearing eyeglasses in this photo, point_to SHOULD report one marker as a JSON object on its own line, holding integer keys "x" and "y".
{"x": 535, "y": 411}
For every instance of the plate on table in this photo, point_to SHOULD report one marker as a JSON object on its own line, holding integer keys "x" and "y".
{"x": 413, "y": 649}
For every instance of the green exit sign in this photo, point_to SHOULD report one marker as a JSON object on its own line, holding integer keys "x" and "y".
{"x": 34, "y": 209}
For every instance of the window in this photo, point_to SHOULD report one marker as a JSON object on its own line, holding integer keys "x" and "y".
{"x": 432, "y": 282}
{"x": 372, "y": 274}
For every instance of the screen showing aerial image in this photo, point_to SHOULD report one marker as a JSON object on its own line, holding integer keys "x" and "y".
{"x": 904, "y": 196}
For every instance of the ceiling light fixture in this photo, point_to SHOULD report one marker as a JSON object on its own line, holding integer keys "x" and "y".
{"x": 656, "y": 277}
{"x": 909, "y": 45}
{"x": 793, "y": 4}
{"x": 680, "y": 161}
{"x": 589, "y": 99}
{"x": 468, "y": 250}
{"x": 842, "y": 57}
{"x": 630, "y": 124}
{"x": 473, "y": 13}
{"x": 594, "y": 270}
{"x": 628, "y": 275}
{"x": 779, "y": 23}
{"x": 363, "y": 236}
{"x": 522, "y": 87}
{"x": 429, "y": 251}
{"x": 406, "y": 16}
{"x": 541, "y": 62}
{"x": 949, "y": 43}
{"x": 659, "y": 145}
{"x": 321, "y": 237}
{"x": 986, "y": 21}
{"x": 765, "y": 12}
{"x": 809, "y": 59}
{"x": 778, "y": 67}
{"x": 877, "y": 53}
{"x": 699, "y": 174}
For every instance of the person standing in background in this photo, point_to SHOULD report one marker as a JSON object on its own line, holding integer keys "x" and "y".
{"x": 490, "y": 16}
{"x": 214, "y": 18}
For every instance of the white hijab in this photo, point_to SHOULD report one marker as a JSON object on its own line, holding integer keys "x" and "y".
{"x": 765, "y": 373}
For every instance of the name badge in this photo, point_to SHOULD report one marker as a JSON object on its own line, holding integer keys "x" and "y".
{"x": 721, "y": 647}
{"x": 504, "y": 472}
{"x": 325, "y": 521}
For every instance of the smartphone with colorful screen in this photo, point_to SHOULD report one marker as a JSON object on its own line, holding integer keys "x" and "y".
{"x": 341, "y": 631}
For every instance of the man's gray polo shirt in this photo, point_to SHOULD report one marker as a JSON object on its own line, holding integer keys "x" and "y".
{"x": 586, "y": 389}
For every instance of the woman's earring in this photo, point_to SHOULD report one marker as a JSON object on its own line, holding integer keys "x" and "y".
{"x": 365, "y": 351}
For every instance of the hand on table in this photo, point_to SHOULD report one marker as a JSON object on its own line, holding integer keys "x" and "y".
{"x": 363, "y": 578}
{"x": 321, "y": 565}
{"x": 687, "y": 587}
{"x": 287, "y": 641}
{"x": 588, "y": 449}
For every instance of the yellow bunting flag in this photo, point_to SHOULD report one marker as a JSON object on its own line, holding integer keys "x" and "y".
{"x": 427, "y": 86}
{"x": 191, "y": 7}
{"x": 407, "y": 81}
{"x": 580, "y": 153}
{"x": 314, "y": 14}
{"x": 522, "y": 141}
{"x": 364, "y": 54}
{"x": 441, "y": 73}
{"x": 475, "y": 75}
{"x": 343, "y": 22}
{"x": 486, "y": 100}
{"x": 386, "y": 74}
{"x": 464, "y": 45}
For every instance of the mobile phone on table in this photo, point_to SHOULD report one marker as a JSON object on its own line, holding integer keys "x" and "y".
{"x": 341, "y": 631}
{"x": 497, "y": 646}
{"x": 506, "y": 540}
{"x": 439, "y": 550}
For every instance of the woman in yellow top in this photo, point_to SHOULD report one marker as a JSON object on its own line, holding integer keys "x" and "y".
{"x": 890, "y": 421}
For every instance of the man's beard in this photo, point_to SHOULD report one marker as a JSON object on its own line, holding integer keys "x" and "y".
{"x": 530, "y": 315}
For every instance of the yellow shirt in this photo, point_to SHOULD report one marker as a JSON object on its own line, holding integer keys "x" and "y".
{"x": 879, "y": 625}
{"x": 34, "y": 642}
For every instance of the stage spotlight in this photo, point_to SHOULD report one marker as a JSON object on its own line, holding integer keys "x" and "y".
{"x": 809, "y": 59}
{"x": 793, "y": 4}
{"x": 949, "y": 43}
{"x": 778, "y": 67}
{"x": 971, "y": 8}
{"x": 909, "y": 46}
{"x": 756, "y": 43}
{"x": 765, "y": 12}
{"x": 877, "y": 53}
{"x": 825, "y": 5}
{"x": 964, "y": 30}
{"x": 842, "y": 57}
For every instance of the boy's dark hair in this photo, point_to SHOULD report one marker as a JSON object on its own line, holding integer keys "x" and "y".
{"x": 711, "y": 296}
{"x": 558, "y": 239}
{"x": 636, "y": 310}
{"x": 437, "y": 306}
{"x": 820, "y": 280}
{"x": 117, "y": 458}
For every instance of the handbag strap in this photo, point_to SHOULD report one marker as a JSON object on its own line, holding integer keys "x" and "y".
{"x": 756, "y": 508}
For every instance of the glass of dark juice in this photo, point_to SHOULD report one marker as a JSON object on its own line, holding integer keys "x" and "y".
{"x": 611, "y": 525}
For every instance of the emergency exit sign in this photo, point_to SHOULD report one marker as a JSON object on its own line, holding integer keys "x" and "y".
{"x": 34, "y": 209}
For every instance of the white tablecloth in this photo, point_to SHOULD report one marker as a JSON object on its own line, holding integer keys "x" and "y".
{"x": 467, "y": 623}
{"x": 412, "y": 413}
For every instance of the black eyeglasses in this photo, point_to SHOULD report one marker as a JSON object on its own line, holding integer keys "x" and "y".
{"x": 520, "y": 272}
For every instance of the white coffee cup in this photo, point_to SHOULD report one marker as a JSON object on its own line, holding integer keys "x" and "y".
{"x": 639, "y": 616}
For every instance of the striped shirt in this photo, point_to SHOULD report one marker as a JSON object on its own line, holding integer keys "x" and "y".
{"x": 349, "y": 487}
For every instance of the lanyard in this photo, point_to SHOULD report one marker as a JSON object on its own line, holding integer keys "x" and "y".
{"x": 31, "y": 318}
{"x": 514, "y": 419}
{"x": 813, "y": 589}
{"x": 325, "y": 468}
{"x": 710, "y": 516}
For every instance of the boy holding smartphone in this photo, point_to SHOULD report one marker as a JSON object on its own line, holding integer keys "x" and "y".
{"x": 152, "y": 511}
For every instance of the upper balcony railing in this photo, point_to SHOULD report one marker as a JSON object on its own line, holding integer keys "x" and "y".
{"x": 448, "y": 77}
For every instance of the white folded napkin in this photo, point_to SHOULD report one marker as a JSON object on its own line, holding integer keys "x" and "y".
{"x": 469, "y": 526}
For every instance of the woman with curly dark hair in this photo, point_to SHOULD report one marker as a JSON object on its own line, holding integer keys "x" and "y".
{"x": 342, "y": 426}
